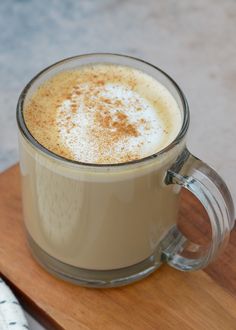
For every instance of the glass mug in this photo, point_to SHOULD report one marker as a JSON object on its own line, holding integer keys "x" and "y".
{"x": 109, "y": 225}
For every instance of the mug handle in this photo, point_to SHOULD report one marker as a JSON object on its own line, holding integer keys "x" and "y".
{"x": 203, "y": 182}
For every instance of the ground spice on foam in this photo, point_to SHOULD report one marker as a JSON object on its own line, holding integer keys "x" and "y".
{"x": 111, "y": 124}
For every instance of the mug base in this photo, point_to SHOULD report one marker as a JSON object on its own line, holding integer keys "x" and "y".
{"x": 94, "y": 278}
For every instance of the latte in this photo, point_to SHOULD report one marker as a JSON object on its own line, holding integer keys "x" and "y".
{"x": 91, "y": 217}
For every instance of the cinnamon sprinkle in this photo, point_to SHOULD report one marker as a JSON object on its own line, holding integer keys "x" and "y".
{"x": 110, "y": 127}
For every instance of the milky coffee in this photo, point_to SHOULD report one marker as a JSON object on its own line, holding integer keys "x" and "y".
{"x": 99, "y": 217}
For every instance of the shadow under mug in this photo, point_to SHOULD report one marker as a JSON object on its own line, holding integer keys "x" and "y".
{"x": 109, "y": 225}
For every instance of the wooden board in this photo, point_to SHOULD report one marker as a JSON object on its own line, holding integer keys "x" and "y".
{"x": 168, "y": 299}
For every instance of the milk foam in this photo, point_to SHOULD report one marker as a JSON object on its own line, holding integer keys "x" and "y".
{"x": 111, "y": 114}
{"x": 81, "y": 142}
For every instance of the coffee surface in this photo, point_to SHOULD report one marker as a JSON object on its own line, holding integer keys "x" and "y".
{"x": 103, "y": 113}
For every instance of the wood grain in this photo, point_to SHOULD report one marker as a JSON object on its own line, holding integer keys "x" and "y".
{"x": 168, "y": 299}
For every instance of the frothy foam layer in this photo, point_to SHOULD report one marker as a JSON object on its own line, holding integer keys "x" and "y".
{"x": 120, "y": 125}
{"x": 103, "y": 114}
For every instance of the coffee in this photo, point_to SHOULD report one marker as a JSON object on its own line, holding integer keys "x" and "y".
{"x": 103, "y": 158}
{"x": 99, "y": 218}
{"x": 103, "y": 114}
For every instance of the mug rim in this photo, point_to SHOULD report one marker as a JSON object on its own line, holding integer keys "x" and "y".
{"x": 27, "y": 134}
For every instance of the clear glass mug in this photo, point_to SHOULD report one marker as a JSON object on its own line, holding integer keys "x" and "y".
{"x": 109, "y": 225}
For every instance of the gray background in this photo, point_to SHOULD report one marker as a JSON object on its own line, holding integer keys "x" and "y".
{"x": 193, "y": 41}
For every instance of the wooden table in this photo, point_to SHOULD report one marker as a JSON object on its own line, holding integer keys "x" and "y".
{"x": 168, "y": 299}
